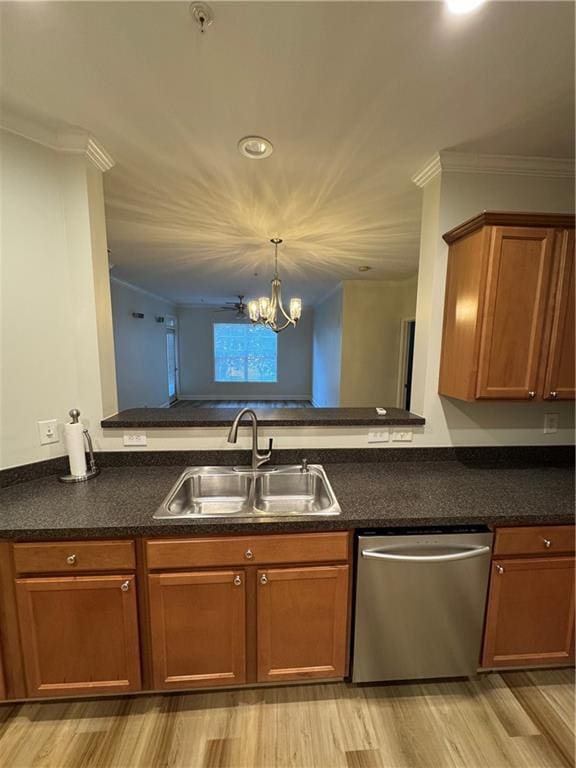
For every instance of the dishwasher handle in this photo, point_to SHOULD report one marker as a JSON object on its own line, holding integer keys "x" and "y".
{"x": 379, "y": 554}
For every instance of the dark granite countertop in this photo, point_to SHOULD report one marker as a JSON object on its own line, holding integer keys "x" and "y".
{"x": 122, "y": 500}
{"x": 152, "y": 418}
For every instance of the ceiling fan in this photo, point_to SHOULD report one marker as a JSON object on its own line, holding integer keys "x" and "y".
{"x": 235, "y": 306}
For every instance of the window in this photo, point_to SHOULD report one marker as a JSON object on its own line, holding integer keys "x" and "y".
{"x": 244, "y": 352}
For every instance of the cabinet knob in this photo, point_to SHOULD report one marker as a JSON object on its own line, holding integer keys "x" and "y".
{"x": 531, "y": 394}
{"x": 249, "y": 555}
{"x": 263, "y": 579}
{"x": 499, "y": 570}
{"x": 125, "y": 586}
{"x": 553, "y": 395}
{"x": 547, "y": 543}
{"x": 71, "y": 559}
{"x": 237, "y": 581}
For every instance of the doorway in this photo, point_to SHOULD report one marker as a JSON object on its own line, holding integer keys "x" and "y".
{"x": 407, "y": 332}
{"x": 172, "y": 359}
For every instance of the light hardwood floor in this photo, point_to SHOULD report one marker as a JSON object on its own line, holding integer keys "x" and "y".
{"x": 495, "y": 721}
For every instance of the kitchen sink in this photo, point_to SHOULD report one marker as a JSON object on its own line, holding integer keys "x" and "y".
{"x": 284, "y": 491}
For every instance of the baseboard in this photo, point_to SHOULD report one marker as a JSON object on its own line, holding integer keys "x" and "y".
{"x": 248, "y": 397}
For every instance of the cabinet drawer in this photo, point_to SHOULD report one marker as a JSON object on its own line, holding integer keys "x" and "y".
{"x": 74, "y": 556}
{"x": 243, "y": 550}
{"x": 534, "y": 540}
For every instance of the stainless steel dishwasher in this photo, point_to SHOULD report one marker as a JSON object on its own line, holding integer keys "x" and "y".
{"x": 420, "y": 598}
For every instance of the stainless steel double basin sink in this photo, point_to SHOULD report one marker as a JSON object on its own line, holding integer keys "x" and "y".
{"x": 218, "y": 492}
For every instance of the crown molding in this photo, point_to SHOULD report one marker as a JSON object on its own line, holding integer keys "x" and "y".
{"x": 137, "y": 288}
{"x": 510, "y": 219}
{"x": 72, "y": 141}
{"x": 428, "y": 171}
{"x": 511, "y": 165}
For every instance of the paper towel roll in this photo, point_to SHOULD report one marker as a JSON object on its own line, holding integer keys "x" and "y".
{"x": 74, "y": 434}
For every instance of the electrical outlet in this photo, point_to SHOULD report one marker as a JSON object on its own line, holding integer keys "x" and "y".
{"x": 378, "y": 436}
{"x": 402, "y": 437}
{"x": 137, "y": 438}
{"x": 48, "y": 431}
{"x": 550, "y": 423}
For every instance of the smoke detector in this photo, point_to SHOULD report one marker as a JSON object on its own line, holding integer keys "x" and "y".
{"x": 202, "y": 15}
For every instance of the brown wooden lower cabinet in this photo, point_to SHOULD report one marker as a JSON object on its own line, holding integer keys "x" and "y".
{"x": 2, "y": 680}
{"x": 301, "y": 622}
{"x": 530, "y": 615}
{"x": 198, "y": 628}
{"x": 79, "y": 634}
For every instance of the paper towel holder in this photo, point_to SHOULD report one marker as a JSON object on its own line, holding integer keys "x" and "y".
{"x": 93, "y": 471}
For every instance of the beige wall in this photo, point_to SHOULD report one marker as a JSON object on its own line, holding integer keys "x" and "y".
{"x": 447, "y": 201}
{"x": 55, "y": 350}
{"x": 327, "y": 351}
{"x": 140, "y": 346}
{"x": 195, "y": 335}
{"x": 371, "y": 331}
{"x": 53, "y": 245}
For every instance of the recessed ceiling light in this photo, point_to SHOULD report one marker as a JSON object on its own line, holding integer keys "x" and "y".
{"x": 463, "y": 6}
{"x": 364, "y": 269}
{"x": 255, "y": 147}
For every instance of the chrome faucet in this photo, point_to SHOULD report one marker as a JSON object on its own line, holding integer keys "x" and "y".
{"x": 257, "y": 458}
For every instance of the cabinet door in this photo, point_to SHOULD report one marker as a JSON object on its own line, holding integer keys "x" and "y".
{"x": 198, "y": 628}
{"x": 302, "y": 622}
{"x": 2, "y": 681}
{"x": 79, "y": 634}
{"x": 530, "y": 618}
{"x": 559, "y": 381}
{"x": 517, "y": 293}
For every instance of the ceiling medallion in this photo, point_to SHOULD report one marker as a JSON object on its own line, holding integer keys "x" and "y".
{"x": 270, "y": 312}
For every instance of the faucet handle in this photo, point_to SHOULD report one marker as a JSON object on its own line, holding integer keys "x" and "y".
{"x": 270, "y": 443}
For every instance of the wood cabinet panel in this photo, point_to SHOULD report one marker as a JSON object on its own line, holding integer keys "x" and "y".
{"x": 79, "y": 634}
{"x": 198, "y": 629}
{"x": 74, "y": 556}
{"x": 302, "y": 622}
{"x": 463, "y": 305}
{"x": 518, "y": 288}
{"x": 246, "y": 550}
{"x": 559, "y": 381}
{"x": 530, "y": 615}
{"x": 10, "y": 643}
{"x": 2, "y": 679}
{"x": 532, "y": 540}
{"x": 509, "y": 320}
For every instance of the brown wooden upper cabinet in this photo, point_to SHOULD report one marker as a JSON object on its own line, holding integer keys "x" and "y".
{"x": 509, "y": 308}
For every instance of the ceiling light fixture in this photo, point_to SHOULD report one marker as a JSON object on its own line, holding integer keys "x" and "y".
{"x": 460, "y": 7}
{"x": 202, "y": 15}
{"x": 270, "y": 311}
{"x": 255, "y": 147}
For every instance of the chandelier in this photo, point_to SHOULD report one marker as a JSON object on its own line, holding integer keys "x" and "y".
{"x": 270, "y": 311}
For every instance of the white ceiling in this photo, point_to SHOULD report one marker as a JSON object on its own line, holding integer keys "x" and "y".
{"x": 355, "y": 97}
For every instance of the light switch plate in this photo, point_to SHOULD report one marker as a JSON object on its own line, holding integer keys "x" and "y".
{"x": 402, "y": 437}
{"x": 138, "y": 438}
{"x": 550, "y": 423}
{"x": 378, "y": 436}
{"x": 48, "y": 431}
